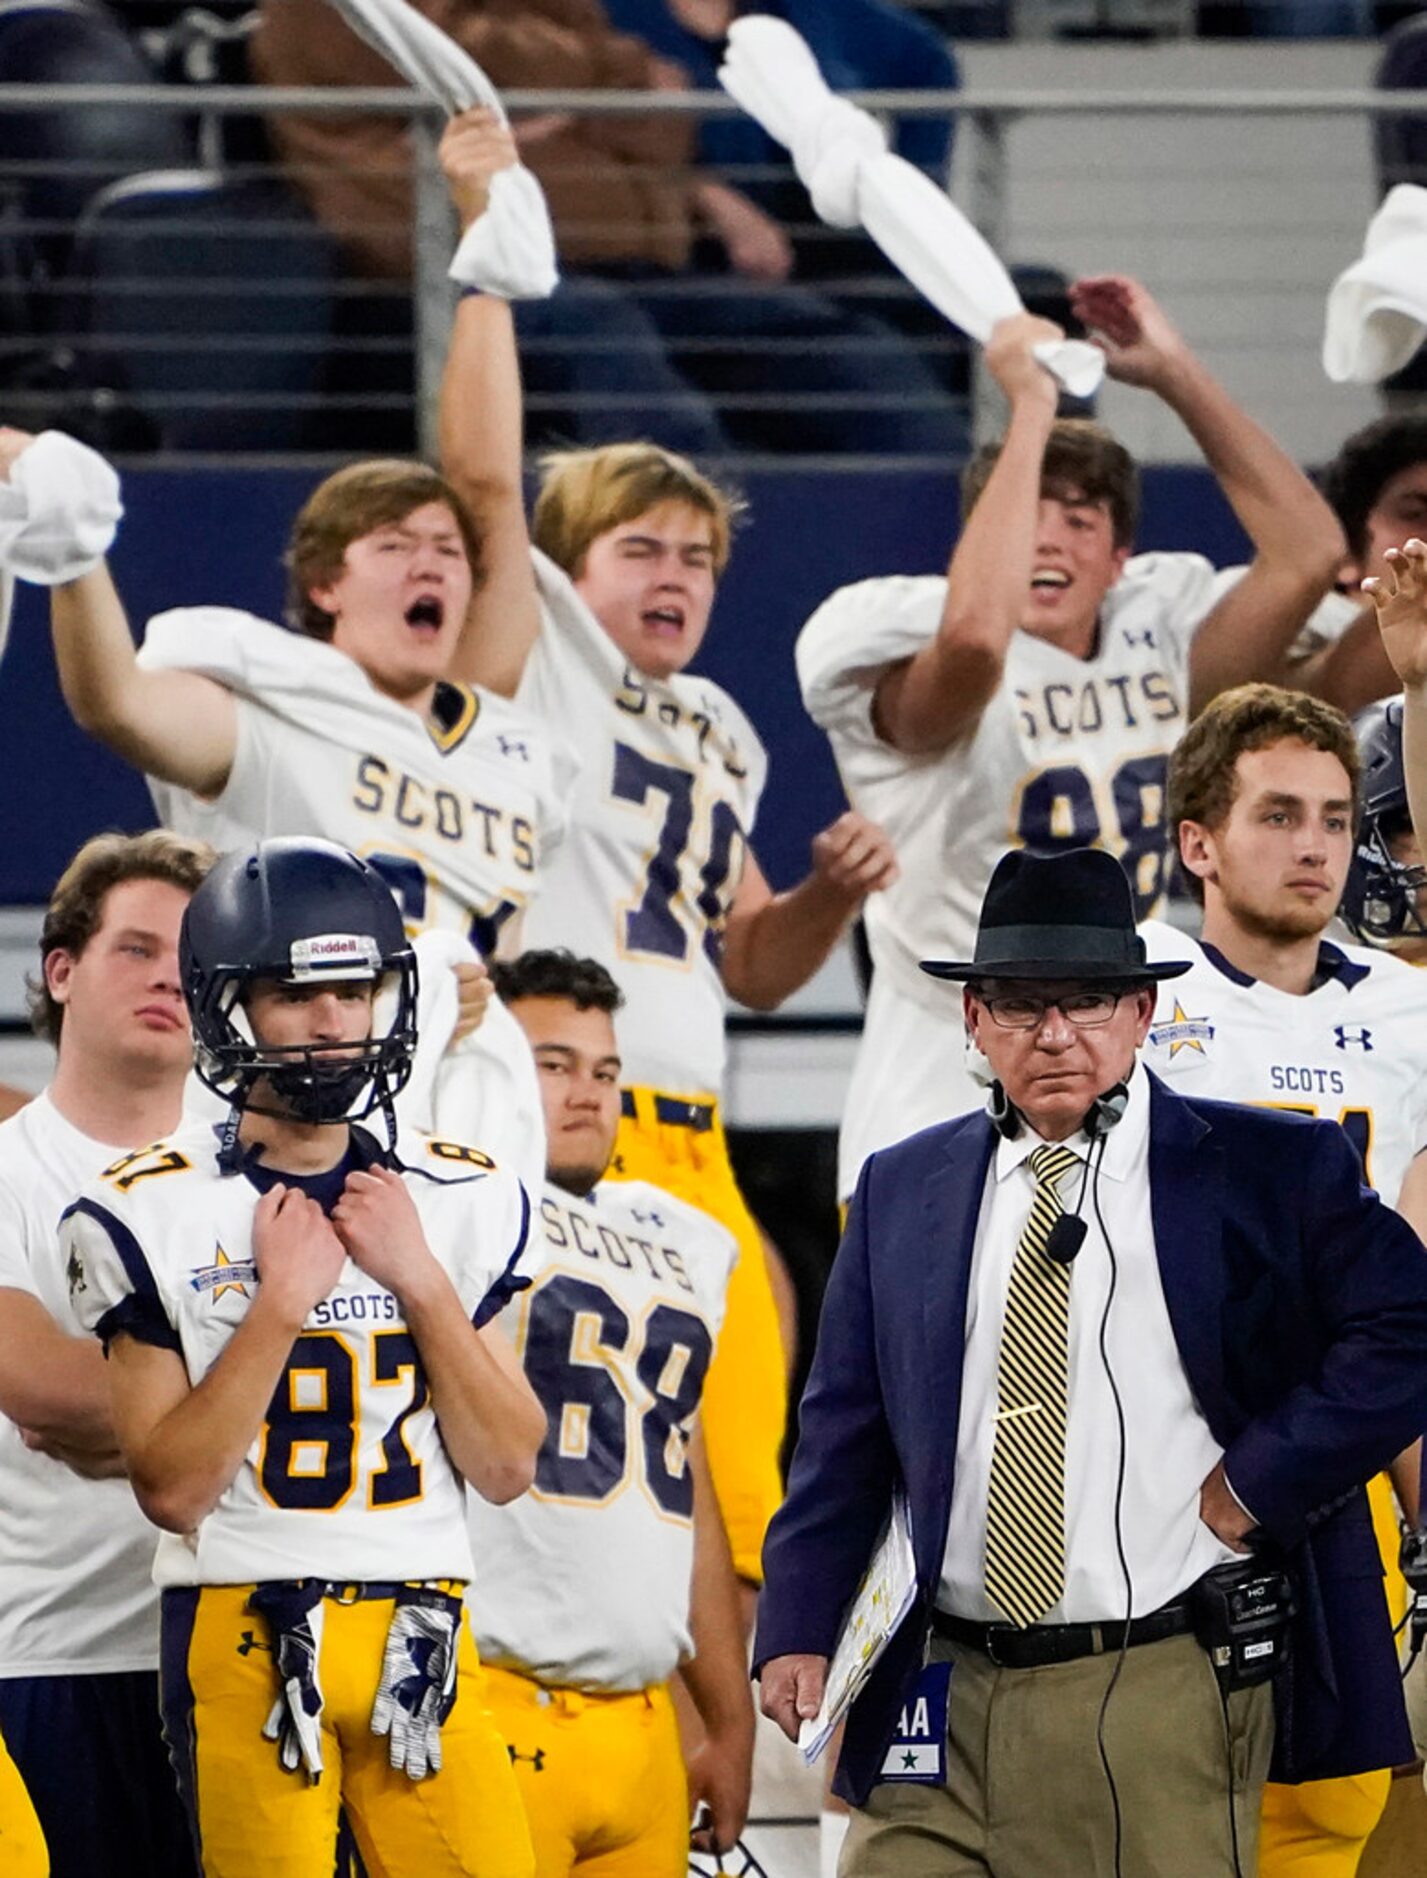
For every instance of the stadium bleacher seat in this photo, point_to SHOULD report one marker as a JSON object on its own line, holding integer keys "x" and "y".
{"x": 205, "y": 302}
{"x": 1402, "y": 140}
{"x": 60, "y": 156}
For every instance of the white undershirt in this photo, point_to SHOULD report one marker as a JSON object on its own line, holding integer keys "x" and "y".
{"x": 1169, "y": 1449}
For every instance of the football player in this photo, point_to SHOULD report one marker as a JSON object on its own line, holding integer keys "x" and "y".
{"x": 614, "y": 1570}
{"x": 593, "y": 632}
{"x": 1032, "y": 696}
{"x": 303, "y": 1379}
{"x": 1263, "y": 794}
{"x": 1377, "y": 488}
{"x": 346, "y": 726}
{"x": 79, "y": 1653}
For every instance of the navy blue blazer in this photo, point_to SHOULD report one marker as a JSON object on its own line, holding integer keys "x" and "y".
{"x": 1299, "y": 1304}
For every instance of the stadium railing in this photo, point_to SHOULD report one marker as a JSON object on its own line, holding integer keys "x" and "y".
{"x": 197, "y": 309}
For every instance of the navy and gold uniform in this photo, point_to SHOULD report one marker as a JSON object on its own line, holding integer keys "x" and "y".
{"x": 671, "y": 775}
{"x": 1069, "y": 753}
{"x": 581, "y": 1607}
{"x": 347, "y": 1483}
{"x": 1353, "y": 1049}
{"x": 455, "y": 812}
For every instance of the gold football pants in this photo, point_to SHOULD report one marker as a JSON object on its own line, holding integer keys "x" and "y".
{"x": 602, "y": 1778}
{"x": 22, "y": 1844}
{"x": 255, "y": 1820}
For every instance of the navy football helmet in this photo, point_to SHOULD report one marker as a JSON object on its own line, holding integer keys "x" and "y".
{"x": 300, "y": 912}
{"x": 1380, "y": 900}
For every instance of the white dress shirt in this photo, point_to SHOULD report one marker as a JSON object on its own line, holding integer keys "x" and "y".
{"x": 1168, "y": 1449}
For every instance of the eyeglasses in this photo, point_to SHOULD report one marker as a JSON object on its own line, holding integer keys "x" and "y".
{"x": 1017, "y": 1010}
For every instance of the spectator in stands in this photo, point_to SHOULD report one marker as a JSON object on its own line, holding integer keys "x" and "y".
{"x": 861, "y": 45}
{"x": 629, "y": 210}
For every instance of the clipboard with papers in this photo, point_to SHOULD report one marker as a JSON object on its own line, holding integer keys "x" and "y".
{"x": 886, "y": 1593}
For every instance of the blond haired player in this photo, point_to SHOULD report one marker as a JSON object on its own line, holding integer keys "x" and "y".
{"x": 613, "y": 1571}
{"x": 345, "y": 726}
{"x": 593, "y": 633}
{"x": 1031, "y": 697}
{"x": 303, "y": 1386}
{"x": 1263, "y": 797}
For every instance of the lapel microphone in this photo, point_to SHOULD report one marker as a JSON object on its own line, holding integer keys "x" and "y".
{"x": 1067, "y": 1235}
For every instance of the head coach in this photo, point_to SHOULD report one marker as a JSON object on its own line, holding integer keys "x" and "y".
{"x": 1131, "y": 1358}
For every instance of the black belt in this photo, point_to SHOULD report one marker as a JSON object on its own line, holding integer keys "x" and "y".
{"x": 672, "y": 1111}
{"x": 1011, "y": 1648}
{"x": 343, "y": 1592}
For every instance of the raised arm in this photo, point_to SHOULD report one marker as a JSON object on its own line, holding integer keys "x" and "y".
{"x": 175, "y": 725}
{"x": 1298, "y": 544}
{"x": 1351, "y": 671}
{"x": 1399, "y": 597}
{"x": 927, "y": 702}
{"x": 774, "y": 942}
{"x": 482, "y": 432}
{"x": 178, "y": 726}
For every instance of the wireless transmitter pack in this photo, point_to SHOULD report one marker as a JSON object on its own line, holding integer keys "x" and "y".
{"x": 1242, "y": 1614}
{"x": 1413, "y": 1563}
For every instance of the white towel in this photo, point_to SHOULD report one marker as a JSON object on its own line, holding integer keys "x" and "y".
{"x": 510, "y": 250}
{"x": 841, "y": 155}
{"x": 484, "y": 1091}
{"x": 59, "y": 512}
{"x": 1377, "y": 308}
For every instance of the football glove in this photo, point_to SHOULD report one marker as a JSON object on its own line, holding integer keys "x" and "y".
{"x": 293, "y": 1614}
{"x": 418, "y": 1681}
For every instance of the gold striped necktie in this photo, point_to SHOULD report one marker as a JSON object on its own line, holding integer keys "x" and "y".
{"x": 1025, "y": 1501}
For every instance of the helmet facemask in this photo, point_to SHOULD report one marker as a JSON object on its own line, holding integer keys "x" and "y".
{"x": 310, "y": 1083}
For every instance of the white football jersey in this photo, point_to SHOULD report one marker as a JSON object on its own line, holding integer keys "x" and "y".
{"x": 1353, "y": 1049}
{"x": 671, "y": 772}
{"x": 76, "y": 1556}
{"x": 457, "y": 812}
{"x": 584, "y": 1582}
{"x": 348, "y": 1478}
{"x": 1069, "y": 753}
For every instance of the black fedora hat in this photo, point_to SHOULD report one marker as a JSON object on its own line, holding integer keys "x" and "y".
{"x": 1053, "y": 916}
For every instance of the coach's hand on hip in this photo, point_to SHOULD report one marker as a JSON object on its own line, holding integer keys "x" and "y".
{"x": 1222, "y": 1513}
{"x": 791, "y": 1690}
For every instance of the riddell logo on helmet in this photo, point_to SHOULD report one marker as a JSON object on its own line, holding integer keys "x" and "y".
{"x": 334, "y": 954}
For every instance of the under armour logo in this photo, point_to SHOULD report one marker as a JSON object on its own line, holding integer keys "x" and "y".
{"x": 74, "y": 1273}
{"x": 512, "y": 746}
{"x": 536, "y": 1760}
{"x": 251, "y": 1643}
{"x": 1144, "y": 637}
{"x": 411, "y": 1690}
{"x": 1352, "y": 1036}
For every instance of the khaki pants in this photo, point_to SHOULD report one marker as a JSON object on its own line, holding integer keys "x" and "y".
{"x": 1026, "y": 1794}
